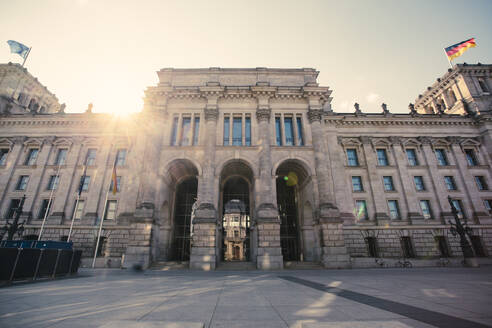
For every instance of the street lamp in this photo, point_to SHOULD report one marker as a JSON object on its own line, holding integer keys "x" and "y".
{"x": 461, "y": 229}
{"x": 15, "y": 227}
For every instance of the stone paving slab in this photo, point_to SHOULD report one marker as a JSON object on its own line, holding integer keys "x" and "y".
{"x": 152, "y": 324}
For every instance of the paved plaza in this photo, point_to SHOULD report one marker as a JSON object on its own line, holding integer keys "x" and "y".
{"x": 110, "y": 298}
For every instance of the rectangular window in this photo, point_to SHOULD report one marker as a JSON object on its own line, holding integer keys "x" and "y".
{"x": 442, "y": 244}
{"x": 44, "y": 209}
{"x": 120, "y": 157}
{"x": 450, "y": 184}
{"x": 388, "y": 183}
{"x": 31, "y": 157}
{"x": 289, "y": 131}
{"x": 3, "y": 156}
{"x": 361, "y": 210}
{"x": 79, "y": 210}
{"x": 61, "y": 157}
{"x": 382, "y": 157}
{"x": 477, "y": 246}
{"x": 22, "y": 182}
{"x": 393, "y": 209}
{"x": 84, "y": 182}
{"x": 441, "y": 157}
{"x": 110, "y": 210}
{"x": 459, "y": 207}
{"x": 14, "y": 204}
{"x": 226, "y": 131}
{"x": 481, "y": 183}
{"x": 372, "y": 247}
{"x": 91, "y": 157}
{"x": 174, "y": 131}
{"x": 278, "y": 131}
{"x": 118, "y": 184}
{"x": 426, "y": 209}
{"x": 101, "y": 247}
{"x": 488, "y": 205}
{"x": 470, "y": 157}
{"x": 352, "y": 158}
{"x": 357, "y": 184}
{"x": 185, "y": 131}
{"x": 247, "y": 126}
{"x": 412, "y": 157}
{"x": 419, "y": 183}
{"x": 53, "y": 182}
{"x": 196, "y": 130}
{"x": 407, "y": 247}
{"x": 237, "y": 131}
{"x": 300, "y": 139}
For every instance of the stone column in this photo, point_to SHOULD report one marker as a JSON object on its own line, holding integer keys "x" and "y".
{"x": 205, "y": 225}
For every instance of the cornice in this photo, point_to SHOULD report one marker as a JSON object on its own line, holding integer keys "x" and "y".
{"x": 398, "y": 119}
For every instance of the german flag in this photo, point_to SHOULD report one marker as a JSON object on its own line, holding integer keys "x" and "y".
{"x": 114, "y": 179}
{"x": 458, "y": 49}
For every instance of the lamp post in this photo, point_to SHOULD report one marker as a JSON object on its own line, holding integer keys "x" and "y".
{"x": 462, "y": 229}
{"x": 15, "y": 227}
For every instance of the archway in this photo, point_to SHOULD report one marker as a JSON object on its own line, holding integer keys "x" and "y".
{"x": 236, "y": 242}
{"x": 292, "y": 178}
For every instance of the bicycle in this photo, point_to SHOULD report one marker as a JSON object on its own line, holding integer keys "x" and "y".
{"x": 380, "y": 262}
{"x": 403, "y": 263}
{"x": 443, "y": 262}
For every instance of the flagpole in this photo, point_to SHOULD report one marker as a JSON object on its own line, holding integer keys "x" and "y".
{"x": 77, "y": 201}
{"x": 102, "y": 218}
{"x": 49, "y": 202}
{"x": 25, "y": 58}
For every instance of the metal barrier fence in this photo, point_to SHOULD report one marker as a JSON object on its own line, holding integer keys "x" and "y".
{"x": 34, "y": 263}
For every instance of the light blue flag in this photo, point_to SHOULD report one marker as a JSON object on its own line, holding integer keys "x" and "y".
{"x": 18, "y": 48}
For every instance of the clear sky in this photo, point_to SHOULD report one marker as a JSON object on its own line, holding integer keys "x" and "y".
{"x": 107, "y": 52}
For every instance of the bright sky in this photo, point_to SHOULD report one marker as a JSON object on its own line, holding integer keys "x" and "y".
{"x": 107, "y": 52}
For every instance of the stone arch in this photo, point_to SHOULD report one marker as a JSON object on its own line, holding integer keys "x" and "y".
{"x": 300, "y": 163}
{"x": 179, "y": 169}
{"x": 227, "y": 162}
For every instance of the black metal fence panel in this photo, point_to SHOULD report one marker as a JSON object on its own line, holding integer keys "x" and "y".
{"x": 64, "y": 261}
{"x": 8, "y": 257}
{"x": 48, "y": 261}
{"x": 77, "y": 256}
{"x": 26, "y": 265}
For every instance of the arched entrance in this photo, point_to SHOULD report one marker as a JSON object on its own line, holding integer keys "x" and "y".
{"x": 182, "y": 177}
{"x": 291, "y": 187}
{"x": 235, "y": 204}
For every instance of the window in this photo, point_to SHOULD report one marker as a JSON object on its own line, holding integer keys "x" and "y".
{"x": 361, "y": 210}
{"x": 372, "y": 247}
{"x": 14, "y": 204}
{"x": 352, "y": 158}
{"x": 300, "y": 140}
{"x": 45, "y": 209}
{"x": 393, "y": 209}
{"x": 237, "y": 131}
{"x": 382, "y": 157}
{"x": 247, "y": 126}
{"x": 470, "y": 157}
{"x": 196, "y": 130}
{"x": 450, "y": 184}
{"x": 388, "y": 183}
{"x": 441, "y": 157}
{"x": 3, "y": 156}
{"x": 278, "y": 131}
{"x": 357, "y": 184}
{"x": 407, "y": 247}
{"x": 61, "y": 156}
{"x": 110, "y": 210}
{"x": 442, "y": 244}
{"x": 22, "y": 182}
{"x": 488, "y": 205}
{"x": 419, "y": 183}
{"x": 91, "y": 157}
{"x": 101, "y": 247}
{"x": 174, "y": 132}
{"x": 186, "y": 131}
{"x": 118, "y": 184}
{"x": 481, "y": 183}
{"x": 459, "y": 207}
{"x": 426, "y": 209}
{"x": 226, "y": 131}
{"x": 79, "y": 209}
{"x": 289, "y": 131}
{"x": 412, "y": 157}
{"x": 84, "y": 182}
{"x": 31, "y": 157}
{"x": 483, "y": 85}
{"x": 452, "y": 97}
{"x": 120, "y": 157}
{"x": 53, "y": 182}
{"x": 477, "y": 245}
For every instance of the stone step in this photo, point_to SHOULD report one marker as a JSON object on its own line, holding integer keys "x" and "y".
{"x": 295, "y": 265}
{"x": 169, "y": 265}
{"x": 236, "y": 266}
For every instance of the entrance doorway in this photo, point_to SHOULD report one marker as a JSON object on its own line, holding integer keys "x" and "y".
{"x": 289, "y": 232}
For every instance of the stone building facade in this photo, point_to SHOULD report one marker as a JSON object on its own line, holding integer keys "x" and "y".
{"x": 339, "y": 189}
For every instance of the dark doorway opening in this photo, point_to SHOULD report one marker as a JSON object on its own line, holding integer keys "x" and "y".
{"x": 185, "y": 197}
{"x": 289, "y": 232}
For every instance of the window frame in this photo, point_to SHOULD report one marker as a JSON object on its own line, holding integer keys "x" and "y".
{"x": 56, "y": 181}
{"x": 391, "y": 181}
{"x": 85, "y": 186}
{"x": 90, "y": 161}
{"x": 108, "y": 209}
{"x": 30, "y": 161}
{"x": 397, "y": 208}
{"x": 4, "y": 154}
{"x": 22, "y": 182}
{"x": 366, "y": 211}
{"x": 416, "y": 185}
{"x": 429, "y": 208}
{"x": 59, "y": 159}
{"x": 444, "y": 158}
{"x": 354, "y": 184}
{"x": 452, "y": 181}
{"x": 481, "y": 183}
{"x": 79, "y": 209}
{"x": 357, "y": 163}
{"x": 414, "y": 159}
{"x": 385, "y": 157}
{"x": 45, "y": 209}
{"x": 471, "y": 158}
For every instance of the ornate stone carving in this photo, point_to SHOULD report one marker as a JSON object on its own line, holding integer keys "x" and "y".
{"x": 365, "y": 140}
{"x": 385, "y": 109}
{"x": 425, "y": 140}
{"x": 263, "y": 113}
{"x": 412, "y": 110}
{"x": 315, "y": 115}
{"x": 211, "y": 113}
{"x": 357, "y": 109}
{"x": 454, "y": 140}
{"x": 89, "y": 108}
